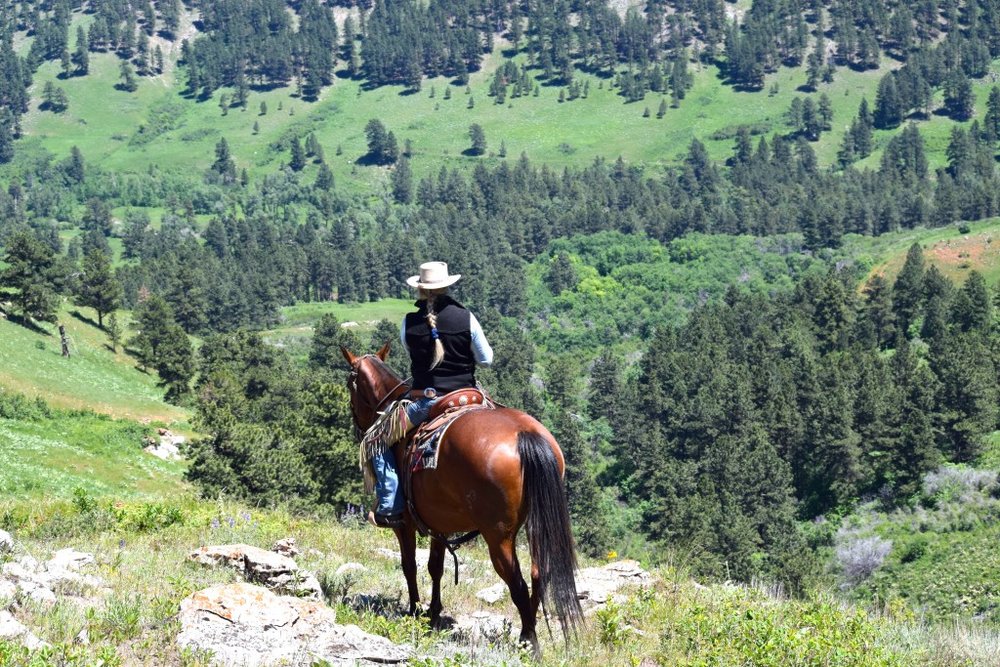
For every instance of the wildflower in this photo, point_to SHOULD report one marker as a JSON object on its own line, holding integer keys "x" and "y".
{"x": 612, "y": 554}
{"x": 231, "y": 521}
{"x": 121, "y": 543}
{"x": 245, "y": 516}
{"x": 215, "y": 523}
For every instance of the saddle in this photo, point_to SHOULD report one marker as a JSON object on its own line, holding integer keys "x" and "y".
{"x": 422, "y": 449}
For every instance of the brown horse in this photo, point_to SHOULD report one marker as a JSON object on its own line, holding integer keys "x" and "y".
{"x": 497, "y": 470}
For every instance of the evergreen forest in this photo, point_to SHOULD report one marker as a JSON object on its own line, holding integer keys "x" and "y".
{"x": 763, "y": 304}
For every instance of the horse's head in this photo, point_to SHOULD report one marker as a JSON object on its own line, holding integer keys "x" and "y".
{"x": 372, "y": 384}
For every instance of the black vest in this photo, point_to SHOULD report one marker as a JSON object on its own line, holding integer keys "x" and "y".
{"x": 458, "y": 368}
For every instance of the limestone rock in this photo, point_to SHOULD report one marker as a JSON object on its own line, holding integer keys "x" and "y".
{"x": 167, "y": 447}
{"x": 493, "y": 594}
{"x": 483, "y": 626}
{"x": 286, "y": 547}
{"x": 69, "y": 559}
{"x": 7, "y": 592}
{"x": 41, "y": 581}
{"x": 248, "y": 625}
{"x": 271, "y": 569}
{"x": 597, "y": 585}
{"x": 13, "y": 630}
{"x": 6, "y": 542}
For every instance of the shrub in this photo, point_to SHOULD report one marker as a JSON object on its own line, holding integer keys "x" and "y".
{"x": 959, "y": 484}
{"x": 858, "y": 557}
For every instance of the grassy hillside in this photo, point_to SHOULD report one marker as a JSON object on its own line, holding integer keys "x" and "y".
{"x": 939, "y": 554}
{"x": 676, "y": 622}
{"x": 299, "y": 321}
{"x": 93, "y": 377}
{"x": 953, "y": 251}
{"x": 53, "y": 454}
{"x": 157, "y": 127}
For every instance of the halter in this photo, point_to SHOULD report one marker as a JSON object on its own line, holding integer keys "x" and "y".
{"x": 352, "y": 381}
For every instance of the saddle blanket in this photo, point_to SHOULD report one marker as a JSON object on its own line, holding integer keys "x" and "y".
{"x": 424, "y": 448}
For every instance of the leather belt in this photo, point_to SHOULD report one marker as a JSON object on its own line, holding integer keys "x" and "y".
{"x": 429, "y": 392}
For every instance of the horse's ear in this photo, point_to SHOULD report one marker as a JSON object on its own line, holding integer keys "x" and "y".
{"x": 347, "y": 355}
{"x": 383, "y": 354}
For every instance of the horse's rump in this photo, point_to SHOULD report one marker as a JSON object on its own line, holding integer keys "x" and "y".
{"x": 478, "y": 479}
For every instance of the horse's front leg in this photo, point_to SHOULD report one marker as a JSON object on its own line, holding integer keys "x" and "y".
{"x": 435, "y": 566}
{"x": 407, "y": 536}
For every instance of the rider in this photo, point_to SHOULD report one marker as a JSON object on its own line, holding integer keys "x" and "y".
{"x": 445, "y": 342}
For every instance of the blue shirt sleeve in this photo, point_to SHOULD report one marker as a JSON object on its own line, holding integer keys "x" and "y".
{"x": 402, "y": 335}
{"x": 480, "y": 346}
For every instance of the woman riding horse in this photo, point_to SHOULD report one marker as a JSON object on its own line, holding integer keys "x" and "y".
{"x": 497, "y": 470}
{"x": 445, "y": 341}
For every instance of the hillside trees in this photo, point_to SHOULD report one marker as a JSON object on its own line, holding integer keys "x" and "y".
{"x": 35, "y": 274}
{"x": 160, "y": 343}
{"x": 97, "y": 287}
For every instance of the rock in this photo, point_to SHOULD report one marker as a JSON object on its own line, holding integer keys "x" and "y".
{"x": 167, "y": 447}
{"x": 6, "y": 542}
{"x": 7, "y": 592}
{"x": 271, "y": 569}
{"x": 83, "y": 638}
{"x": 350, "y": 567}
{"x": 493, "y": 594}
{"x": 69, "y": 559}
{"x": 13, "y": 630}
{"x": 286, "y": 547}
{"x": 41, "y": 581}
{"x": 597, "y": 585}
{"x": 248, "y": 625}
{"x": 483, "y": 626}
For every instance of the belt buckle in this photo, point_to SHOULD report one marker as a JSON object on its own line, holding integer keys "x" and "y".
{"x": 430, "y": 392}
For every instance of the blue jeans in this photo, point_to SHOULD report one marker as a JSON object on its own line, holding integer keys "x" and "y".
{"x": 390, "y": 501}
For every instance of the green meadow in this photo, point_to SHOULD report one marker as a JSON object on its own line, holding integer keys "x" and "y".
{"x": 93, "y": 377}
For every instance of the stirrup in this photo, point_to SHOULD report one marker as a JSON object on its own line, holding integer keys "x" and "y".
{"x": 385, "y": 520}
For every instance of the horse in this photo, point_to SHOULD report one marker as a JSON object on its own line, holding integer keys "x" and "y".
{"x": 498, "y": 470}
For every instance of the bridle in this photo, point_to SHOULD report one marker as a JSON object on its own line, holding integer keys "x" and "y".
{"x": 376, "y": 407}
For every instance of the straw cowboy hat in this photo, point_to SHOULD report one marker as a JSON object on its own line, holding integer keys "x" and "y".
{"x": 433, "y": 275}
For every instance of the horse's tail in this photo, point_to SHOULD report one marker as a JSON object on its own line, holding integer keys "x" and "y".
{"x": 550, "y": 537}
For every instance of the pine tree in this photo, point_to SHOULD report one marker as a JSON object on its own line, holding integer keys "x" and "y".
{"x": 114, "y": 331}
{"x": 81, "y": 54}
{"x": 128, "y": 80}
{"x": 324, "y": 178}
{"x": 906, "y": 291}
{"x": 478, "y": 138}
{"x": 34, "y": 273}
{"x": 98, "y": 288}
{"x": 888, "y": 107}
{"x": 402, "y": 182}
{"x": 991, "y": 124}
{"x": 328, "y": 337}
{"x": 959, "y": 99}
{"x": 297, "y": 160}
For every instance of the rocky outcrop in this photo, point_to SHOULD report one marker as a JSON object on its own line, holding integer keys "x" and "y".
{"x": 247, "y": 625}
{"x": 596, "y": 585}
{"x": 45, "y": 583}
{"x": 42, "y": 581}
{"x": 273, "y": 570}
{"x": 6, "y": 542}
{"x": 166, "y": 446}
{"x": 13, "y": 630}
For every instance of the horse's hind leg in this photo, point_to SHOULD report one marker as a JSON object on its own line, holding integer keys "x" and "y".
{"x": 435, "y": 566}
{"x": 504, "y": 557}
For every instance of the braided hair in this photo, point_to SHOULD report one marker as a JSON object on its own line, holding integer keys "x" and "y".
{"x": 431, "y": 296}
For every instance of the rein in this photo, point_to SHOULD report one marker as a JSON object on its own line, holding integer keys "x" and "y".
{"x": 352, "y": 380}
